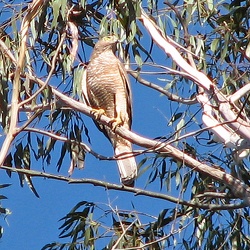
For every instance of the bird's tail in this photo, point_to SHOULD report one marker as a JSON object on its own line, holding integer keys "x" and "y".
{"x": 127, "y": 165}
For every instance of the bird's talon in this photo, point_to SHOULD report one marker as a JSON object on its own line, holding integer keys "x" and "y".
{"x": 115, "y": 122}
{"x": 97, "y": 113}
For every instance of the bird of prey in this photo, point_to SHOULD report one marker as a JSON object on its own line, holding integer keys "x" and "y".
{"x": 108, "y": 92}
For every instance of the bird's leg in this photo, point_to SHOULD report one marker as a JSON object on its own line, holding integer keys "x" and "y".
{"x": 116, "y": 121}
{"x": 97, "y": 113}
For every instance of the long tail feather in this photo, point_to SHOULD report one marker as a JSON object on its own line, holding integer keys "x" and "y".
{"x": 127, "y": 166}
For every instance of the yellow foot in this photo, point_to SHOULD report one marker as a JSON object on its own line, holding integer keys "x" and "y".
{"x": 97, "y": 113}
{"x": 115, "y": 122}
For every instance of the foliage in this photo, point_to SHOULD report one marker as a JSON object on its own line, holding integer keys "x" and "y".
{"x": 3, "y": 211}
{"x": 44, "y": 48}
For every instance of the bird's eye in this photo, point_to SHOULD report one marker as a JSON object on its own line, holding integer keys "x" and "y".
{"x": 110, "y": 38}
{"x": 107, "y": 38}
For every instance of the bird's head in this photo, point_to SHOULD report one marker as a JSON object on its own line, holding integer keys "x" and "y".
{"x": 107, "y": 43}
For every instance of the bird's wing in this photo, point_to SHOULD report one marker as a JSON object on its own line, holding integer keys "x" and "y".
{"x": 127, "y": 88}
{"x": 84, "y": 87}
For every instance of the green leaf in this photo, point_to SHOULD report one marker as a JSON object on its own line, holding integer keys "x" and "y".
{"x": 79, "y": 76}
{"x": 26, "y": 157}
{"x": 2, "y": 197}
{"x": 161, "y": 217}
{"x": 1, "y": 232}
{"x": 214, "y": 44}
{"x": 56, "y": 5}
{"x": 62, "y": 155}
{"x": 137, "y": 56}
{"x": 175, "y": 117}
{"x": 210, "y": 4}
{"x": 4, "y": 185}
{"x": 224, "y": 51}
{"x": 153, "y": 175}
{"x": 177, "y": 179}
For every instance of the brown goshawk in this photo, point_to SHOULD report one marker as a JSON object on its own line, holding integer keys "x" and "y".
{"x": 108, "y": 90}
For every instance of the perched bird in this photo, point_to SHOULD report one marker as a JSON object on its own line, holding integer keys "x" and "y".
{"x": 108, "y": 92}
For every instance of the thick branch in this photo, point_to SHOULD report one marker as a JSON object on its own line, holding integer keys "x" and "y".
{"x": 169, "y": 49}
{"x": 236, "y": 121}
{"x": 237, "y": 187}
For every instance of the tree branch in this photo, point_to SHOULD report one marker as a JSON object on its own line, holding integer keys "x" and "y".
{"x": 33, "y": 10}
{"x": 236, "y": 134}
{"x": 237, "y": 187}
{"x": 170, "y": 96}
{"x": 166, "y": 45}
{"x": 111, "y": 186}
{"x": 65, "y": 139}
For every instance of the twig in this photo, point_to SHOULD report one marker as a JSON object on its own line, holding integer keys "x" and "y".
{"x": 125, "y": 230}
{"x": 170, "y": 96}
{"x": 65, "y": 139}
{"x": 53, "y": 65}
